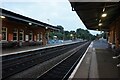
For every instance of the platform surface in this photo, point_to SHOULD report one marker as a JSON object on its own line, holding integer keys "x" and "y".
{"x": 10, "y": 51}
{"x": 98, "y": 63}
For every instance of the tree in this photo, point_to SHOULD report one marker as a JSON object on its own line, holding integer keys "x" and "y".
{"x": 84, "y": 34}
{"x": 59, "y": 34}
{"x": 61, "y": 28}
{"x": 66, "y": 35}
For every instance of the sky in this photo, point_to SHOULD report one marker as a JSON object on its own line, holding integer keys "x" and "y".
{"x": 54, "y": 12}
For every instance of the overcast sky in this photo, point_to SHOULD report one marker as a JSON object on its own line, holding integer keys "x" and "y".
{"x": 54, "y": 12}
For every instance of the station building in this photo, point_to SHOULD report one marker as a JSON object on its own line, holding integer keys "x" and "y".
{"x": 100, "y": 16}
{"x": 19, "y": 30}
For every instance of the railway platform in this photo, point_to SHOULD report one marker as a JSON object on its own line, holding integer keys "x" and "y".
{"x": 97, "y": 63}
{"x": 10, "y": 51}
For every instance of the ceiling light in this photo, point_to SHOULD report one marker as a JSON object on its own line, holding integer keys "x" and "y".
{"x": 103, "y": 9}
{"x": 46, "y": 27}
{"x": 100, "y": 24}
{"x": 2, "y": 17}
{"x": 30, "y": 23}
{"x": 104, "y": 15}
{"x": 100, "y": 20}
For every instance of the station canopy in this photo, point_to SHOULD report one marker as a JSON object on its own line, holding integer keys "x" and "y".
{"x": 97, "y": 15}
{"x": 25, "y": 20}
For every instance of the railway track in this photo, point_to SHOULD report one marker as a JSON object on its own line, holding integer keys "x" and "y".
{"x": 16, "y": 63}
{"x": 63, "y": 69}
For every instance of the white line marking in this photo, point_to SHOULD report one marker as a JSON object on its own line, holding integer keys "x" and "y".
{"x": 76, "y": 68}
{"x": 73, "y": 51}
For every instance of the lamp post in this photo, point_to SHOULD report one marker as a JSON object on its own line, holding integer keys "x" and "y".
{"x": 71, "y": 35}
{"x": 47, "y": 34}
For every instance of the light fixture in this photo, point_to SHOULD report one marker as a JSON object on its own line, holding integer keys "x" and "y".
{"x": 100, "y": 24}
{"x": 2, "y": 17}
{"x": 103, "y": 9}
{"x": 71, "y": 35}
{"x": 46, "y": 27}
{"x": 104, "y": 15}
{"x": 30, "y": 23}
{"x": 100, "y": 20}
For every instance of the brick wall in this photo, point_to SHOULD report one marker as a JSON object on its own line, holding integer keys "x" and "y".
{"x": 10, "y": 25}
{"x": 114, "y": 32}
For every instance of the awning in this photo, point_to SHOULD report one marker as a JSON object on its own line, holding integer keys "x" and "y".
{"x": 90, "y": 13}
{"x": 26, "y": 20}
